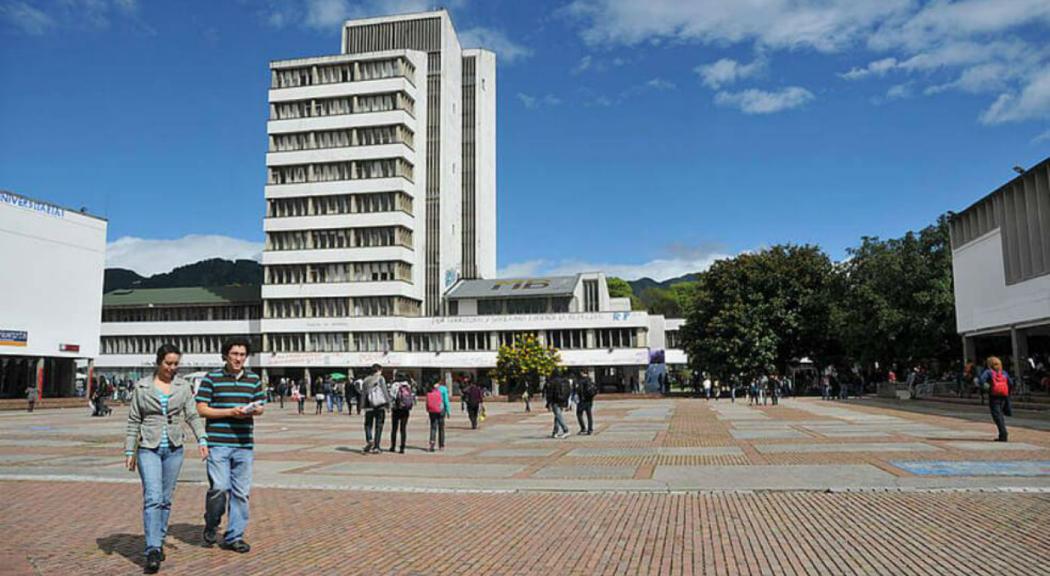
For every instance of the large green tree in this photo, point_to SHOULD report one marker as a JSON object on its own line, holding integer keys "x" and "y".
{"x": 620, "y": 288}
{"x": 898, "y": 303}
{"x": 757, "y": 312}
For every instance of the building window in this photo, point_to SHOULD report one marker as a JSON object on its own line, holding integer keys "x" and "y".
{"x": 616, "y": 338}
{"x": 590, "y": 295}
{"x": 567, "y": 339}
{"x": 470, "y": 341}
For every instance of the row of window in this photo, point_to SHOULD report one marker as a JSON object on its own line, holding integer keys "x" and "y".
{"x": 342, "y": 138}
{"x": 338, "y": 171}
{"x": 205, "y": 344}
{"x": 342, "y": 307}
{"x": 380, "y": 271}
{"x": 182, "y": 313}
{"x": 518, "y": 306}
{"x": 342, "y": 72}
{"x": 375, "y": 341}
{"x": 336, "y": 238}
{"x": 342, "y": 105}
{"x": 339, "y": 204}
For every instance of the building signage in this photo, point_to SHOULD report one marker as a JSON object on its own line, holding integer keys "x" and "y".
{"x": 527, "y": 284}
{"x": 522, "y": 318}
{"x": 42, "y": 207}
{"x": 13, "y": 337}
{"x": 69, "y": 347}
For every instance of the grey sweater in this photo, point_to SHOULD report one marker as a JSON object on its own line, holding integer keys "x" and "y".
{"x": 146, "y": 420}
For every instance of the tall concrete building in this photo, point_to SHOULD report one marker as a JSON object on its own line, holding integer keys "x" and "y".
{"x": 381, "y": 187}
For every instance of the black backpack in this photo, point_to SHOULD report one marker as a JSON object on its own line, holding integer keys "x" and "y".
{"x": 590, "y": 389}
{"x": 564, "y": 390}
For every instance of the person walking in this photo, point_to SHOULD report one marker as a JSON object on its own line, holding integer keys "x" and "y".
{"x": 298, "y": 396}
{"x": 153, "y": 444}
{"x": 525, "y": 396}
{"x": 329, "y": 392}
{"x": 998, "y": 383}
{"x": 230, "y": 399}
{"x": 357, "y": 396}
{"x": 437, "y": 408}
{"x": 375, "y": 396}
{"x": 707, "y": 388}
{"x": 587, "y": 390}
{"x": 774, "y": 389}
{"x": 282, "y": 388}
{"x": 557, "y": 394}
{"x": 474, "y": 396}
{"x": 319, "y": 399}
{"x": 404, "y": 398}
{"x": 31, "y": 395}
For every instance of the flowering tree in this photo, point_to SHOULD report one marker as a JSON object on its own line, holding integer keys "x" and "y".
{"x": 524, "y": 363}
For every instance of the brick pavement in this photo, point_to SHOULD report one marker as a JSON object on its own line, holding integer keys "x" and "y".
{"x": 81, "y": 528}
{"x": 664, "y": 487}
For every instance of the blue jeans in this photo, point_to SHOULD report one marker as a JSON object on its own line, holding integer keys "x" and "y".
{"x": 374, "y": 419}
{"x": 229, "y": 480}
{"x": 159, "y": 469}
{"x": 559, "y": 420}
{"x": 328, "y": 398}
{"x": 338, "y": 404}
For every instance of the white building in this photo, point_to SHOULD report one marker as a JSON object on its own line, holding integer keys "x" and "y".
{"x": 381, "y": 228}
{"x": 1001, "y": 269}
{"x": 50, "y": 294}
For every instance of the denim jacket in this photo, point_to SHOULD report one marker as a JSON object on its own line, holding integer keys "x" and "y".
{"x": 146, "y": 419}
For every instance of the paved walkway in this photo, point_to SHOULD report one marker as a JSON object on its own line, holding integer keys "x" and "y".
{"x": 663, "y": 487}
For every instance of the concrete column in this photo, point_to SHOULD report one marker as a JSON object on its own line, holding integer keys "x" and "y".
{"x": 1019, "y": 348}
{"x": 38, "y": 377}
{"x": 307, "y": 378}
{"x": 969, "y": 350}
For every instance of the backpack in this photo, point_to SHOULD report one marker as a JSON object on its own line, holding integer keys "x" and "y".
{"x": 376, "y": 398}
{"x": 590, "y": 389}
{"x": 405, "y": 399}
{"x": 435, "y": 405}
{"x": 564, "y": 390}
{"x": 1000, "y": 384}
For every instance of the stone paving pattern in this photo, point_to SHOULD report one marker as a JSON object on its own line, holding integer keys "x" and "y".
{"x": 663, "y": 487}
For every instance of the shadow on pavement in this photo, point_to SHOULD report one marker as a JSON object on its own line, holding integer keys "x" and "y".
{"x": 191, "y": 534}
{"x": 129, "y": 546}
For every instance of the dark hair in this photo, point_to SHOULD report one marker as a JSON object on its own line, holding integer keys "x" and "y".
{"x": 236, "y": 341}
{"x": 166, "y": 349}
{"x": 376, "y": 367}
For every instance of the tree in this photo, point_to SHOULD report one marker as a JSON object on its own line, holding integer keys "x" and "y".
{"x": 525, "y": 362}
{"x": 898, "y": 303}
{"x": 620, "y": 288}
{"x": 757, "y": 312}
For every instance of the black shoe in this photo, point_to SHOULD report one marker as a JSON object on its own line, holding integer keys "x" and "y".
{"x": 209, "y": 537}
{"x": 239, "y": 546}
{"x": 152, "y": 562}
{"x": 162, "y": 556}
{"x": 581, "y": 432}
{"x": 392, "y": 449}
{"x": 402, "y": 450}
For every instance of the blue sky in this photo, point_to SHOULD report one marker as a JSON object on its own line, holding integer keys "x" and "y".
{"x": 643, "y": 138}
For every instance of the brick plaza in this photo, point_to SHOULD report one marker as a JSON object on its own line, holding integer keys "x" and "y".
{"x": 663, "y": 487}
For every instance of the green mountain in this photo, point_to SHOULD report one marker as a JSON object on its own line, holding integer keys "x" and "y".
{"x": 206, "y": 273}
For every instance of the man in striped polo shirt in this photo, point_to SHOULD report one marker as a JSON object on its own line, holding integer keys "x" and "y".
{"x": 229, "y": 399}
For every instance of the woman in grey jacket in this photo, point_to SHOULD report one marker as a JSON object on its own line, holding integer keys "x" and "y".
{"x": 159, "y": 405}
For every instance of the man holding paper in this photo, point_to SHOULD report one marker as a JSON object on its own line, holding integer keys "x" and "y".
{"x": 229, "y": 399}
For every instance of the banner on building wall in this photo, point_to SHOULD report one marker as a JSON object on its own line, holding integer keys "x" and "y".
{"x": 14, "y": 338}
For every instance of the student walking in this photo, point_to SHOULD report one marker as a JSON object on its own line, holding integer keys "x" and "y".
{"x": 376, "y": 398}
{"x": 525, "y": 396}
{"x": 587, "y": 390}
{"x": 298, "y": 396}
{"x": 437, "y": 408}
{"x": 404, "y": 399}
{"x": 557, "y": 392}
{"x": 329, "y": 392}
{"x": 474, "y": 396}
{"x": 31, "y": 395}
{"x": 230, "y": 399}
{"x": 319, "y": 398}
{"x": 153, "y": 444}
{"x": 998, "y": 383}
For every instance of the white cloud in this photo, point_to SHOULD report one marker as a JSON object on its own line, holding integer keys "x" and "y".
{"x": 506, "y": 49}
{"x": 1044, "y": 137}
{"x": 658, "y": 269}
{"x": 762, "y": 102}
{"x": 899, "y": 91}
{"x": 26, "y": 18}
{"x": 727, "y": 71}
{"x": 148, "y": 257}
{"x": 582, "y": 65}
{"x": 1033, "y": 102}
{"x": 876, "y": 68}
{"x": 326, "y": 15}
{"x": 533, "y": 102}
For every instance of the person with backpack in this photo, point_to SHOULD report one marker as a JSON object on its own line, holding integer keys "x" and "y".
{"x": 474, "y": 397}
{"x": 587, "y": 390}
{"x": 375, "y": 397}
{"x": 437, "y": 408}
{"x": 997, "y": 382}
{"x": 404, "y": 399}
{"x": 558, "y": 391}
{"x": 298, "y": 396}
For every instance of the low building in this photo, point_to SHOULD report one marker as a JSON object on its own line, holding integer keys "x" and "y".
{"x": 136, "y": 322}
{"x": 593, "y": 332}
{"x": 52, "y": 260}
{"x": 1001, "y": 268}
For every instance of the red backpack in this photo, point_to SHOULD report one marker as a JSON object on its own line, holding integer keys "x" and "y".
{"x": 435, "y": 405}
{"x": 1000, "y": 385}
